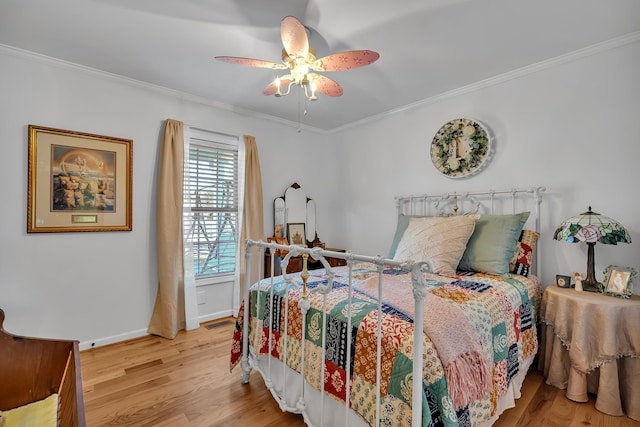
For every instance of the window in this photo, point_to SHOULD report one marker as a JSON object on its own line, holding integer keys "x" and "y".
{"x": 210, "y": 215}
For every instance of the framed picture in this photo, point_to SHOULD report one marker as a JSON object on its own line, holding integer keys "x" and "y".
{"x": 296, "y": 233}
{"x": 563, "y": 281}
{"x": 618, "y": 280}
{"x": 78, "y": 181}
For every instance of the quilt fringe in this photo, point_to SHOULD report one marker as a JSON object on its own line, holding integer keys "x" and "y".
{"x": 468, "y": 379}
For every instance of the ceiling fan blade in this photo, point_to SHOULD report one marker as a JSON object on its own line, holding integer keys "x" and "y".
{"x": 325, "y": 85}
{"x": 347, "y": 60}
{"x": 272, "y": 89}
{"x": 251, "y": 62}
{"x": 294, "y": 37}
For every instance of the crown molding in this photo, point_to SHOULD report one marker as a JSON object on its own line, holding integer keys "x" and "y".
{"x": 491, "y": 81}
{"x": 105, "y": 75}
{"x": 502, "y": 78}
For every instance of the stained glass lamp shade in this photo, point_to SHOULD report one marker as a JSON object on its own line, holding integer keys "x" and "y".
{"x": 591, "y": 227}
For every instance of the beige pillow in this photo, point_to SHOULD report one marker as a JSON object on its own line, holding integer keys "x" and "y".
{"x": 441, "y": 241}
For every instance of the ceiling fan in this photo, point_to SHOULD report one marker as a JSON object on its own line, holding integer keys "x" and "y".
{"x": 299, "y": 57}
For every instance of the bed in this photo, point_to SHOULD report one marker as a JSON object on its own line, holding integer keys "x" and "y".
{"x": 457, "y": 291}
{"x": 41, "y": 381}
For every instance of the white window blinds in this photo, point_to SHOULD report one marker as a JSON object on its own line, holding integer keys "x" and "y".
{"x": 211, "y": 201}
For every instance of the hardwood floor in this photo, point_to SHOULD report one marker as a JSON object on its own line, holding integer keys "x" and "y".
{"x": 153, "y": 381}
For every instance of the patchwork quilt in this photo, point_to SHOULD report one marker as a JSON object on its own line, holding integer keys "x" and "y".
{"x": 478, "y": 329}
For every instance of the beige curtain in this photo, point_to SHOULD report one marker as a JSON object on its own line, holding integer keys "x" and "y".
{"x": 168, "y": 313}
{"x": 253, "y": 213}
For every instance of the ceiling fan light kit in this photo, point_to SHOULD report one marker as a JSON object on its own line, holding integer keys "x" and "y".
{"x": 300, "y": 59}
{"x": 299, "y": 75}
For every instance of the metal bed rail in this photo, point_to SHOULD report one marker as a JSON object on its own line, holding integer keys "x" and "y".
{"x": 419, "y": 292}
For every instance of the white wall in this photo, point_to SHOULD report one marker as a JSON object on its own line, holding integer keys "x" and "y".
{"x": 570, "y": 125}
{"x": 100, "y": 287}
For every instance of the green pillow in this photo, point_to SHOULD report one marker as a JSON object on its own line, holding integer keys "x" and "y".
{"x": 491, "y": 246}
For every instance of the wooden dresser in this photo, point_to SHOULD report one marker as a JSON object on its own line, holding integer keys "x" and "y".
{"x": 295, "y": 263}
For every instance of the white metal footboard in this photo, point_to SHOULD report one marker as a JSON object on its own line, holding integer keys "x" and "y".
{"x": 419, "y": 293}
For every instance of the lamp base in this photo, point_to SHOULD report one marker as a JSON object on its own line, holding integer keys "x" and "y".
{"x": 590, "y": 283}
{"x": 590, "y": 286}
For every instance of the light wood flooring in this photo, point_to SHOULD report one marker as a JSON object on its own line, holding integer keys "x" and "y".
{"x": 153, "y": 381}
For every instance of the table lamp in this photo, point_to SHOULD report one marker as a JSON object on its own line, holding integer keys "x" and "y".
{"x": 591, "y": 227}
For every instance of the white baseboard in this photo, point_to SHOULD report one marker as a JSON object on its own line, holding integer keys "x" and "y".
{"x": 215, "y": 316}
{"x": 112, "y": 339}
{"x": 143, "y": 332}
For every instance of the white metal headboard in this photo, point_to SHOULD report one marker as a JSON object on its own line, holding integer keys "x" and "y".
{"x": 489, "y": 202}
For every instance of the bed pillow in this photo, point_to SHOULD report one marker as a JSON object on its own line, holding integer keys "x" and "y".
{"x": 523, "y": 256}
{"x": 403, "y": 222}
{"x": 492, "y": 244}
{"x": 441, "y": 241}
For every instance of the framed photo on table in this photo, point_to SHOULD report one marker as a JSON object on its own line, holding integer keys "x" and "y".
{"x": 296, "y": 233}
{"x": 563, "y": 281}
{"x": 78, "y": 181}
{"x": 618, "y": 280}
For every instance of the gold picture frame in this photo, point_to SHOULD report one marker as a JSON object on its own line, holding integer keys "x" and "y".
{"x": 78, "y": 181}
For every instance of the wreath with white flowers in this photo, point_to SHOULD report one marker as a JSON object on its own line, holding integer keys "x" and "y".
{"x": 460, "y": 148}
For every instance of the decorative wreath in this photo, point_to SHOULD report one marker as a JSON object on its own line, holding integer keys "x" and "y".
{"x": 460, "y": 148}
